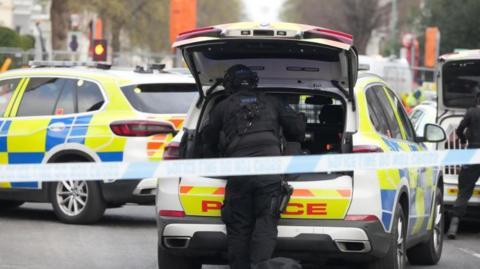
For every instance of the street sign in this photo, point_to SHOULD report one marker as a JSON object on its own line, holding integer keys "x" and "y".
{"x": 432, "y": 46}
{"x": 73, "y": 40}
{"x": 100, "y": 50}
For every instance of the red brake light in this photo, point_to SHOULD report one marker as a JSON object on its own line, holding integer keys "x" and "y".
{"x": 204, "y": 31}
{"x": 172, "y": 213}
{"x": 361, "y": 218}
{"x": 331, "y": 34}
{"x": 172, "y": 151}
{"x": 366, "y": 149}
{"x": 140, "y": 128}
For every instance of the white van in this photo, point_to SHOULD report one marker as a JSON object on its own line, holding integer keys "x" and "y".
{"x": 458, "y": 82}
{"x": 396, "y": 72}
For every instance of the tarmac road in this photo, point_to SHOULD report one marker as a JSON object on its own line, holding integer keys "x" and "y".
{"x": 31, "y": 237}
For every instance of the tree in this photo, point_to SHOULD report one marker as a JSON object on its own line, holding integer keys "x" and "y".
{"x": 457, "y": 21}
{"x": 144, "y": 23}
{"x": 8, "y": 37}
{"x": 357, "y": 17}
{"x": 212, "y": 12}
{"x": 59, "y": 14}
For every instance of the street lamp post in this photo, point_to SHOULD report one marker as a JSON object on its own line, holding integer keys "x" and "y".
{"x": 393, "y": 26}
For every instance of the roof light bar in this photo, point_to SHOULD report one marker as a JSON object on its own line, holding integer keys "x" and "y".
{"x": 150, "y": 68}
{"x": 100, "y": 65}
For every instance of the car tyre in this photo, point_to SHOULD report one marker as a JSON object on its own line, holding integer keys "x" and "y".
{"x": 10, "y": 204}
{"x": 168, "y": 260}
{"x": 429, "y": 252}
{"x": 88, "y": 196}
{"x": 85, "y": 205}
{"x": 396, "y": 254}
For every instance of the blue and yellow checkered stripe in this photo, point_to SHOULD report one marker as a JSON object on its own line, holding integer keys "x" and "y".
{"x": 27, "y": 141}
{"x": 421, "y": 183}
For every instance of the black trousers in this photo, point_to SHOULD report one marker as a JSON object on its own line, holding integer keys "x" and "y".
{"x": 466, "y": 184}
{"x": 249, "y": 213}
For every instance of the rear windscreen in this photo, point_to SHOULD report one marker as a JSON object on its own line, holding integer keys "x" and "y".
{"x": 461, "y": 83}
{"x": 161, "y": 98}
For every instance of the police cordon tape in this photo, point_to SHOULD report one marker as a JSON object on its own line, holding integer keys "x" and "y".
{"x": 217, "y": 167}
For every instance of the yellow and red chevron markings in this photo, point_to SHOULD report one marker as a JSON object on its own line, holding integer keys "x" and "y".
{"x": 304, "y": 203}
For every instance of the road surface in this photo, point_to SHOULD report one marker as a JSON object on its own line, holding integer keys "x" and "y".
{"x": 31, "y": 237}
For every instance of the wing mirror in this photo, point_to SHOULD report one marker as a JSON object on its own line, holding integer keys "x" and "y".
{"x": 433, "y": 133}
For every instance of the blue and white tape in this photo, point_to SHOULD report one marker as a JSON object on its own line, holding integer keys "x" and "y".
{"x": 235, "y": 166}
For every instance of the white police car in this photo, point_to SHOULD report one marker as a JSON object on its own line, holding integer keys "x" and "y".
{"x": 423, "y": 114}
{"x": 378, "y": 218}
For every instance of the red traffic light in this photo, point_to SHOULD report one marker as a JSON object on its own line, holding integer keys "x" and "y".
{"x": 100, "y": 50}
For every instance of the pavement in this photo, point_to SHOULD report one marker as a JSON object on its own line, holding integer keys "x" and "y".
{"x": 31, "y": 237}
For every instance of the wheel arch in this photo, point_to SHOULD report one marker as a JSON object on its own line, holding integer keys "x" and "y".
{"x": 66, "y": 155}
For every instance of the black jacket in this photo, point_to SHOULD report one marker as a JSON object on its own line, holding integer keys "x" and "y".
{"x": 470, "y": 122}
{"x": 263, "y": 138}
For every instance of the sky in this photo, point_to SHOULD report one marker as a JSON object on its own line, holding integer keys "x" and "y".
{"x": 263, "y": 10}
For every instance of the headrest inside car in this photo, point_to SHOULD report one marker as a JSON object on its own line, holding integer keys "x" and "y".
{"x": 318, "y": 100}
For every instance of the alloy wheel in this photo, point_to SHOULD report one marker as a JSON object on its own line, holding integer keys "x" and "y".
{"x": 72, "y": 196}
{"x": 400, "y": 244}
{"x": 438, "y": 228}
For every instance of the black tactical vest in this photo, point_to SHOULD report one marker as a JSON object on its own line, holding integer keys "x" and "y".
{"x": 249, "y": 113}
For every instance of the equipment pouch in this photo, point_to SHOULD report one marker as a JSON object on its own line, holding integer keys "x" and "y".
{"x": 286, "y": 193}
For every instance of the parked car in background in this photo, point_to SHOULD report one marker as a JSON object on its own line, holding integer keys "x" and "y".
{"x": 422, "y": 115}
{"x": 396, "y": 72}
{"x": 458, "y": 83}
{"x": 79, "y": 114}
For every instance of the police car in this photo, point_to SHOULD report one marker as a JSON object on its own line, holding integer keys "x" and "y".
{"x": 458, "y": 82}
{"x": 81, "y": 114}
{"x": 424, "y": 113}
{"x": 376, "y": 218}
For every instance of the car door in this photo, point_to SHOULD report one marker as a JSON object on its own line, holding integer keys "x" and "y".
{"x": 382, "y": 118}
{"x": 30, "y": 118}
{"x": 9, "y": 88}
{"x": 421, "y": 180}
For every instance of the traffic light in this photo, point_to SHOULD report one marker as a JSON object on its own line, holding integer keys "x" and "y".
{"x": 100, "y": 50}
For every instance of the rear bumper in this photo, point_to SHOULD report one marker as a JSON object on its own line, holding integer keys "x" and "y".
{"x": 450, "y": 191}
{"x": 308, "y": 240}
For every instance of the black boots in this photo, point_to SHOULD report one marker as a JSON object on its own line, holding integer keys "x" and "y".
{"x": 452, "y": 231}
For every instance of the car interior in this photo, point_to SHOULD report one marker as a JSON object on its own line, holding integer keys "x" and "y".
{"x": 324, "y": 116}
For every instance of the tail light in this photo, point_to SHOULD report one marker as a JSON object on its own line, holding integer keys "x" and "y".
{"x": 330, "y": 34}
{"x": 361, "y": 218}
{"x": 172, "y": 213}
{"x": 172, "y": 151}
{"x": 366, "y": 149}
{"x": 141, "y": 128}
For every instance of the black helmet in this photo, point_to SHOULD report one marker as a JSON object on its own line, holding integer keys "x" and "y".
{"x": 240, "y": 77}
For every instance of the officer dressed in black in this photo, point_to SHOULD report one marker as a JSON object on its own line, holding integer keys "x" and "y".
{"x": 468, "y": 130}
{"x": 249, "y": 123}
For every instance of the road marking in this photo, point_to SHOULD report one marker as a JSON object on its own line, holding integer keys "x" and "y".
{"x": 471, "y": 252}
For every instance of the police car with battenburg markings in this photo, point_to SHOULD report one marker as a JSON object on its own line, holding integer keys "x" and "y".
{"x": 377, "y": 218}
{"x": 68, "y": 113}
